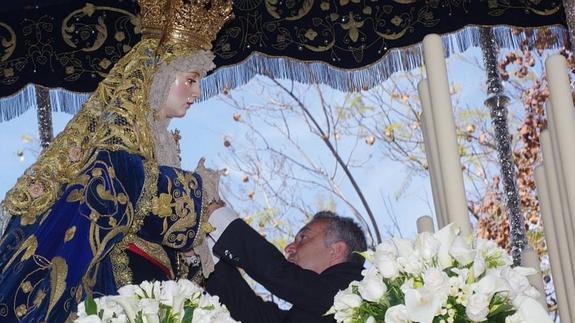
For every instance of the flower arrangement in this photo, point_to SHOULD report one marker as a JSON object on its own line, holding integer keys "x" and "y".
{"x": 165, "y": 302}
{"x": 440, "y": 278}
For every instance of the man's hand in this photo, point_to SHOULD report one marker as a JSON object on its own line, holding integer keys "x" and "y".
{"x": 214, "y": 205}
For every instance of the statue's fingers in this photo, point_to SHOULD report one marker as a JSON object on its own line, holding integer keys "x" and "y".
{"x": 201, "y": 162}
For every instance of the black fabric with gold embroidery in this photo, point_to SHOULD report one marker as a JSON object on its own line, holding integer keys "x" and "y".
{"x": 73, "y": 44}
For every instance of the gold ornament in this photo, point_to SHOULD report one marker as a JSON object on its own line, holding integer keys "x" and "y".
{"x": 193, "y": 24}
{"x": 152, "y": 17}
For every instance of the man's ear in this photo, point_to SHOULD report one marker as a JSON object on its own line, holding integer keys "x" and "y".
{"x": 338, "y": 252}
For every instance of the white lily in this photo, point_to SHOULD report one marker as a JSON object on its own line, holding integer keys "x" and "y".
{"x": 446, "y": 236}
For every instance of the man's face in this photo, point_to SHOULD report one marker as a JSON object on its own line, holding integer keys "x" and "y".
{"x": 308, "y": 250}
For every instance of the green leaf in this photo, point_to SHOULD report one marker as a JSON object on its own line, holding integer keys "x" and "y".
{"x": 90, "y": 306}
{"x": 502, "y": 309}
{"x": 139, "y": 317}
{"x": 188, "y": 314}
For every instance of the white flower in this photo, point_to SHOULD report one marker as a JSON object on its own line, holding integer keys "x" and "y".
{"x": 386, "y": 247}
{"x": 491, "y": 284}
{"x": 461, "y": 251}
{"x": 494, "y": 255}
{"x": 436, "y": 281}
{"x": 446, "y": 236}
{"x": 209, "y": 301}
{"x": 149, "y": 306}
{"x": 202, "y": 315}
{"x": 457, "y": 283}
{"x": 518, "y": 283}
{"x": 345, "y": 316}
{"x": 396, "y": 314}
{"x": 169, "y": 290}
{"x": 370, "y": 319}
{"x": 478, "y": 307}
{"x": 478, "y": 266}
{"x": 422, "y": 305}
{"x": 129, "y": 304}
{"x": 128, "y": 290}
{"x": 411, "y": 265}
{"x": 148, "y": 290}
{"x": 386, "y": 264}
{"x": 346, "y": 299}
{"x": 368, "y": 254}
{"x": 407, "y": 284}
{"x": 153, "y": 301}
{"x": 515, "y": 318}
{"x": 121, "y": 318}
{"x": 427, "y": 246}
{"x": 404, "y": 247}
{"x": 531, "y": 310}
{"x": 372, "y": 287}
{"x": 89, "y": 319}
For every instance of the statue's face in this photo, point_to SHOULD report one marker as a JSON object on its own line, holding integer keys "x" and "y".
{"x": 183, "y": 92}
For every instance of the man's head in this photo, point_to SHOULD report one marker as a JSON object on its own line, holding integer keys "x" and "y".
{"x": 327, "y": 240}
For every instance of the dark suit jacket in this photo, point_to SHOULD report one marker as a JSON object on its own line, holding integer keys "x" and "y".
{"x": 310, "y": 293}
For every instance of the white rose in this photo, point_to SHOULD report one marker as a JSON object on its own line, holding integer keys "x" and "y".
{"x": 404, "y": 247}
{"x": 346, "y": 299}
{"x": 427, "y": 246}
{"x": 478, "y": 307}
{"x": 370, "y": 319}
{"x": 436, "y": 281}
{"x": 396, "y": 314}
{"x": 411, "y": 265}
{"x": 446, "y": 236}
{"x": 461, "y": 251}
{"x": 386, "y": 247}
{"x": 372, "y": 287}
{"x": 344, "y": 316}
{"x": 422, "y": 305}
{"x": 386, "y": 264}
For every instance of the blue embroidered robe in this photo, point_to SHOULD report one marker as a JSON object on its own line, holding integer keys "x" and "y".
{"x": 47, "y": 268}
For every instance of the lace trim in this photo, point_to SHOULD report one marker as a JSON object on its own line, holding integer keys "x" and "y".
{"x": 166, "y": 149}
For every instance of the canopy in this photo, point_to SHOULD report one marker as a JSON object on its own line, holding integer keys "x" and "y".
{"x": 348, "y": 44}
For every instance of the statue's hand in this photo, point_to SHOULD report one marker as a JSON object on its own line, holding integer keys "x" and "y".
{"x": 210, "y": 182}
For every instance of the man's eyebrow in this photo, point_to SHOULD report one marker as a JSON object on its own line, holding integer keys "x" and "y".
{"x": 303, "y": 230}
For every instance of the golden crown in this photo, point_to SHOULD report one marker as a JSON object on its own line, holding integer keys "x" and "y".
{"x": 152, "y": 18}
{"x": 194, "y": 24}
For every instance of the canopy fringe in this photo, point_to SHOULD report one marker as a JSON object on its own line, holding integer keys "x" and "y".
{"x": 395, "y": 60}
